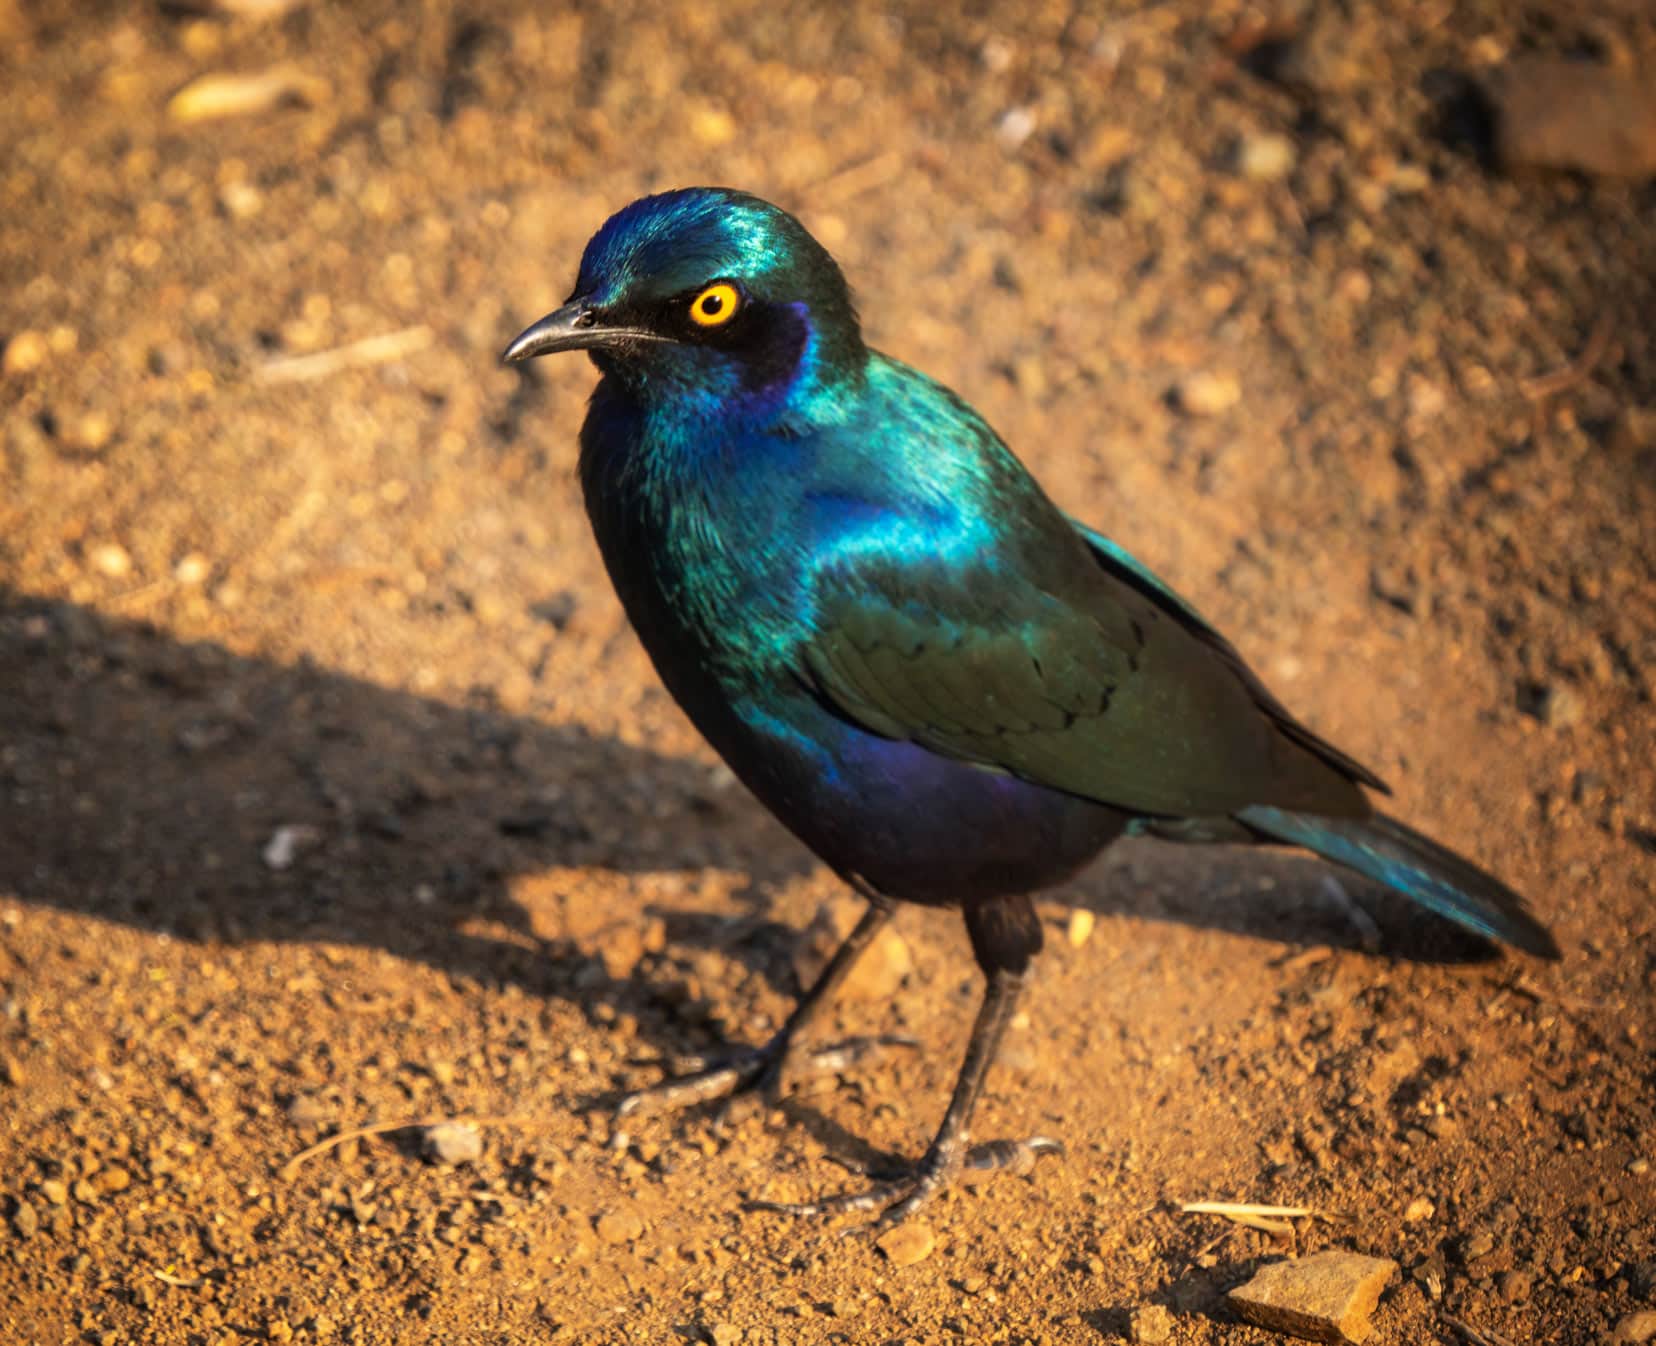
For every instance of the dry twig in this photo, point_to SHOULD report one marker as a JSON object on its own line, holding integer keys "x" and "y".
{"x": 289, "y": 1170}
{"x": 374, "y": 350}
{"x": 1545, "y": 385}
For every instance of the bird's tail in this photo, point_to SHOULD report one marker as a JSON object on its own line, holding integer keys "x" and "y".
{"x": 1383, "y": 849}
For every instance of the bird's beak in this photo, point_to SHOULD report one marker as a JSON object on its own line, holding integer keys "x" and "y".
{"x": 576, "y": 326}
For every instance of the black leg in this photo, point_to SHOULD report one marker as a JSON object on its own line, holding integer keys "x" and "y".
{"x": 768, "y": 1067}
{"x": 1005, "y": 937}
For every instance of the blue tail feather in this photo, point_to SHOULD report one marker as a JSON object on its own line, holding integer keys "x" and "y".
{"x": 1383, "y": 849}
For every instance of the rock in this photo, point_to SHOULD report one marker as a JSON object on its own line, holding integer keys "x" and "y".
{"x": 1641, "y": 1277}
{"x": 724, "y": 1334}
{"x": 908, "y": 1243}
{"x": 111, "y": 559}
{"x": 619, "y": 1226}
{"x": 25, "y": 1220}
{"x": 1325, "y": 1297}
{"x": 453, "y": 1143}
{"x": 1330, "y": 55}
{"x": 1634, "y": 431}
{"x": 192, "y": 569}
{"x": 25, "y": 353}
{"x": 1419, "y": 1209}
{"x": 1514, "y": 1286}
{"x": 1151, "y": 1323}
{"x": 1015, "y": 126}
{"x": 1266, "y": 158}
{"x": 1554, "y": 704}
{"x": 113, "y": 1179}
{"x": 1080, "y": 927}
{"x": 1553, "y": 113}
{"x": 285, "y": 844}
{"x": 55, "y": 1191}
{"x": 875, "y": 976}
{"x": 1204, "y": 394}
{"x": 620, "y": 950}
{"x": 1636, "y": 1327}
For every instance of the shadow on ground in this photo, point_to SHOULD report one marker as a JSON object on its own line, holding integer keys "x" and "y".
{"x": 146, "y": 777}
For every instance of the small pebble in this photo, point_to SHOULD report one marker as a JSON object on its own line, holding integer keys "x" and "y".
{"x": 454, "y": 1143}
{"x": 908, "y": 1243}
{"x": 1151, "y": 1323}
{"x": 1419, "y": 1209}
{"x": 24, "y": 352}
{"x": 1079, "y": 931}
{"x": 111, "y": 559}
{"x": 1265, "y": 158}
{"x": 114, "y": 1179}
{"x": 1638, "y": 1166}
{"x": 25, "y": 1220}
{"x": 285, "y": 843}
{"x": 1015, "y": 126}
{"x": 724, "y": 1334}
{"x": 1636, "y": 1327}
{"x": 619, "y": 1226}
{"x": 1205, "y": 394}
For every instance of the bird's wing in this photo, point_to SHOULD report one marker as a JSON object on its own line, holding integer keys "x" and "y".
{"x": 1122, "y": 564}
{"x": 1057, "y": 669}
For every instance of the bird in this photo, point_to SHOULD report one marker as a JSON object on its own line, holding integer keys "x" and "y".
{"x": 952, "y": 692}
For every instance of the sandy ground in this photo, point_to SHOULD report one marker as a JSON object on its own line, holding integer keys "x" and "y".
{"x": 337, "y": 792}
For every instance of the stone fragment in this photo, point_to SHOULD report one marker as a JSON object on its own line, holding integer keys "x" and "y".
{"x": 1635, "y": 1327}
{"x": 1080, "y": 927}
{"x": 619, "y": 1226}
{"x": 1330, "y": 55}
{"x": 907, "y": 1243}
{"x": 875, "y": 976}
{"x": 285, "y": 844}
{"x": 1553, "y": 113}
{"x": 111, "y": 559}
{"x": 113, "y": 1179}
{"x": 1151, "y": 1323}
{"x": 453, "y": 1143}
{"x": 1325, "y": 1297}
{"x": 1204, "y": 394}
{"x": 25, "y": 352}
{"x": 1266, "y": 158}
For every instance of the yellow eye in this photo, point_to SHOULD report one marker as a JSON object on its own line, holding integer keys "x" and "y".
{"x": 716, "y": 305}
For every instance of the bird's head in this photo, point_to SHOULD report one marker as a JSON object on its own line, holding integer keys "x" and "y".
{"x": 707, "y": 293}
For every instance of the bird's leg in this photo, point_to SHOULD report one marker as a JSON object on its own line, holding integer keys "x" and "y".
{"x": 767, "y": 1067}
{"x": 1005, "y": 936}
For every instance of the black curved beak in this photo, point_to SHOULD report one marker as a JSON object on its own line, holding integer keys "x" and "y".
{"x": 576, "y": 326}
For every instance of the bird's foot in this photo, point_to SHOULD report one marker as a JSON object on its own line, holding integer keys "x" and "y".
{"x": 898, "y": 1195}
{"x": 771, "y": 1071}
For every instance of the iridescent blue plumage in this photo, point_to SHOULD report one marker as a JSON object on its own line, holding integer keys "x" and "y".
{"x": 947, "y": 689}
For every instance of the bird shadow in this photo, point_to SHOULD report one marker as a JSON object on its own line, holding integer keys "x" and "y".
{"x": 180, "y": 787}
{"x": 149, "y": 781}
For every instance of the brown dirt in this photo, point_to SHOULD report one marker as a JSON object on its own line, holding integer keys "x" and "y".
{"x": 366, "y": 604}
